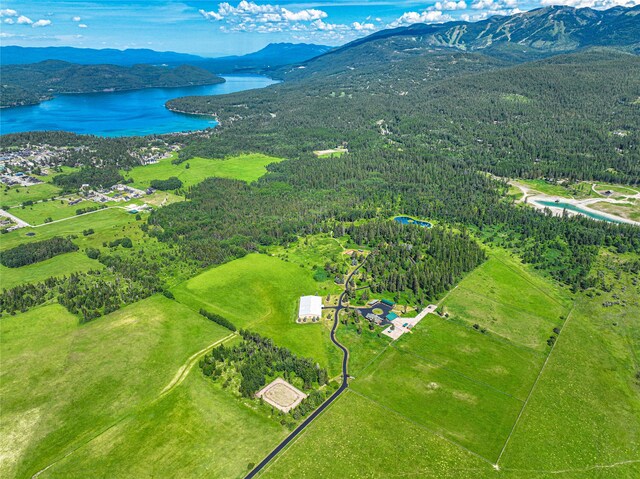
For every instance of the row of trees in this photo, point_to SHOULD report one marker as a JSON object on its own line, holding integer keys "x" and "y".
{"x": 30, "y": 253}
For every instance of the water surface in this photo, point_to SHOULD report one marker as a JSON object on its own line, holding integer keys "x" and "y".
{"x": 127, "y": 113}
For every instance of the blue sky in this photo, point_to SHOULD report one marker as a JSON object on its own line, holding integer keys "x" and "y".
{"x": 214, "y": 28}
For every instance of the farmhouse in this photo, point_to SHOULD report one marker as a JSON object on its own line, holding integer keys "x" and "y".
{"x": 310, "y": 307}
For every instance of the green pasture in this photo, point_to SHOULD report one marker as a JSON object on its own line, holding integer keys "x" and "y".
{"x": 457, "y": 407}
{"x": 508, "y": 300}
{"x": 261, "y": 293}
{"x": 107, "y": 224}
{"x": 56, "y": 210}
{"x": 60, "y": 265}
{"x": 65, "y": 385}
{"x": 16, "y": 195}
{"x": 357, "y": 437}
{"x": 243, "y": 167}
{"x": 487, "y": 359}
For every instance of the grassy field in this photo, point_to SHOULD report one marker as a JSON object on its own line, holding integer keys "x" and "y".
{"x": 459, "y": 408}
{"x": 65, "y": 385}
{"x": 585, "y": 409}
{"x": 261, "y": 293}
{"x": 509, "y": 301}
{"x": 356, "y": 437}
{"x": 61, "y": 265}
{"x": 18, "y": 194}
{"x": 363, "y": 348}
{"x": 107, "y": 224}
{"x": 488, "y": 359}
{"x": 37, "y": 213}
{"x": 578, "y": 190}
{"x": 244, "y": 167}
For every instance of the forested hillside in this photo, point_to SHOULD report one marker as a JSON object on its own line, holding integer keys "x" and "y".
{"x": 21, "y": 84}
{"x": 575, "y": 116}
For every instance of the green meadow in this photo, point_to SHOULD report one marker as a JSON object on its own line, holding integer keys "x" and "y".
{"x": 357, "y": 437}
{"x": 508, "y": 300}
{"x": 500, "y": 364}
{"x": 60, "y": 265}
{"x": 452, "y": 405}
{"x": 243, "y": 167}
{"x": 261, "y": 293}
{"x": 107, "y": 225}
{"x": 16, "y": 195}
{"x": 65, "y": 385}
{"x": 56, "y": 210}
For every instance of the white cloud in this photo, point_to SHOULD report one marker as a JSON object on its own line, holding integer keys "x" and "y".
{"x": 6, "y": 35}
{"x": 363, "y": 27}
{"x": 303, "y": 15}
{"x": 432, "y": 16}
{"x": 41, "y": 23}
{"x": 82, "y": 25}
{"x": 494, "y": 4}
{"x": 8, "y": 12}
{"x": 76, "y": 19}
{"x": 449, "y": 5}
{"x": 252, "y": 12}
{"x": 22, "y": 20}
{"x": 210, "y": 15}
{"x": 10, "y": 21}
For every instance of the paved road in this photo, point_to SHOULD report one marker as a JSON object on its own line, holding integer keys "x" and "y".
{"x": 333, "y": 397}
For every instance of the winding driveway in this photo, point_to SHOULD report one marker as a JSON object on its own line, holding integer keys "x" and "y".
{"x": 332, "y": 398}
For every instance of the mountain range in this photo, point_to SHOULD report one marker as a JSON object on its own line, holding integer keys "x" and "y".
{"x": 521, "y": 37}
{"x": 273, "y": 55}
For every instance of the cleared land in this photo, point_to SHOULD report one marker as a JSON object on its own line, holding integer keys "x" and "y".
{"x": 282, "y": 395}
{"x": 37, "y": 213}
{"x": 107, "y": 224}
{"x": 509, "y": 301}
{"x": 356, "y": 437}
{"x": 60, "y": 391}
{"x": 244, "y": 167}
{"x": 60, "y": 265}
{"x": 261, "y": 293}
{"x": 16, "y": 195}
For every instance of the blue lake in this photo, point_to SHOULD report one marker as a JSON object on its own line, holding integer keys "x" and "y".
{"x": 577, "y": 209}
{"x": 406, "y": 220}
{"x": 137, "y": 112}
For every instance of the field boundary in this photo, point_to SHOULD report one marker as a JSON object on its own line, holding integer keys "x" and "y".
{"x": 533, "y": 387}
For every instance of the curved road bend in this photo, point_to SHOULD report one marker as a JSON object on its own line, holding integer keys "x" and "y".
{"x": 333, "y": 397}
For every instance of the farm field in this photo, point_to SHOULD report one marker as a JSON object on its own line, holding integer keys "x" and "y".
{"x": 37, "y": 213}
{"x": 197, "y": 430}
{"x": 509, "y": 301}
{"x": 585, "y": 409}
{"x": 60, "y": 265}
{"x": 244, "y": 167}
{"x": 356, "y": 437}
{"x": 60, "y": 392}
{"x": 261, "y": 293}
{"x": 578, "y": 191}
{"x": 493, "y": 361}
{"x": 456, "y": 407}
{"x": 107, "y": 224}
{"x": 16, "y": 195}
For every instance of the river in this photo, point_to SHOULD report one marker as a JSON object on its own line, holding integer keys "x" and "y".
{"x": 127, "y": 113}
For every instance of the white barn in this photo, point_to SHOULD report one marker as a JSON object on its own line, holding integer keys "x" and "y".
{"x": 310, "y": 307}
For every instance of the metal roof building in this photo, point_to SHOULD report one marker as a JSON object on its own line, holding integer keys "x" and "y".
{"x": 310, "y": 307}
